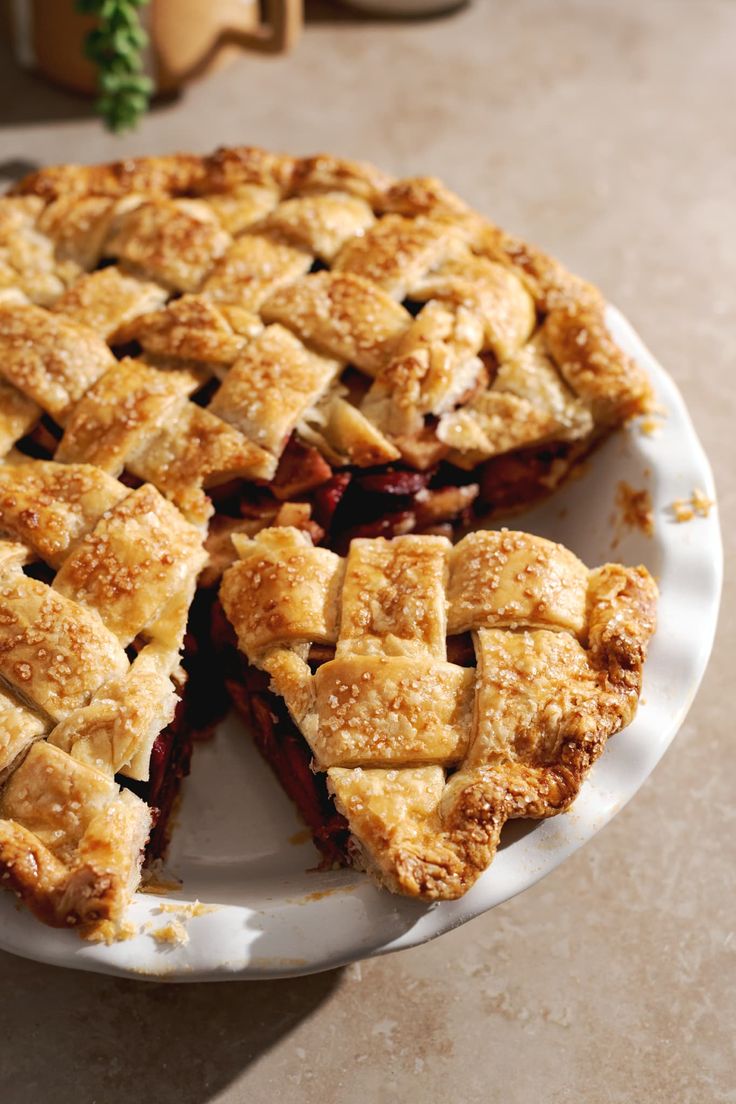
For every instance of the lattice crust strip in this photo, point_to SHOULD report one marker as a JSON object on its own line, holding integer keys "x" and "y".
{"x": 426, "y": 758}
{"x": 284, "y": 272}
{"x": 75, "y": 709}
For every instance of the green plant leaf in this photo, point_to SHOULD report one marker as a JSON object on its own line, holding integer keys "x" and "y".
{"x": 114, "y": 45}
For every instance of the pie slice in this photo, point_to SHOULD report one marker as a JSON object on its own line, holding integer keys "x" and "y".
{"x": 71, "y": 841}
{"x": 440, "y": 690}
{"x": 96, "y": 580}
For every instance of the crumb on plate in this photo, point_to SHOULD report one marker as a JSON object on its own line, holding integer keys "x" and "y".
{"x": 186, "y": 910}
{"x": 698, "y": 505}
{"x": 651, "y": 424}
{"x": 635, "y": 509}
{"x": 174, "y": 934}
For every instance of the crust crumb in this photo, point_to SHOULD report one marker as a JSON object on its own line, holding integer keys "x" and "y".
{"x": 127, "y": 930}
{"x": 698, "y": 505}
{"x": 174, "y": 933}
{"x": 187, "y": 910}
{"x": 650, "y": 426}
{"x": 635, "y": 509}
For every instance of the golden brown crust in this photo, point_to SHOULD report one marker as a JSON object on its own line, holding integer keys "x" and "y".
{"x": 19, "y": 727}
{"x": 393, "y": 597}
{"x": 501, "y": 579}
{"x": 70, "y": 840}
{"x": 135, "y": 560}
{"x": 194, "y": 450}
{"x": 421, "y": 195}
{"x": 435, "y": 366}
{"x": 396, "y": 252}
{"x": 123, "y": 411}
{"x": 18, "y": 415}
{"x": 229, "y": 168}
{"x": 139, "y": 417}
{"x": 49, "y": 507}
{"x": 77, "y": 227}
{"x": 48, "y": 358}
{"x": 322, "y": 223}
{"x": 253, "y": 267}
{"x": 342, "y": 315}
{"x": 508, "y": 353}
{"x": 492, "y": 293}
{"x": 283, "y": 589}
{"x": 127, "y": 565}
{"x": 54, "y": 655}
{"x": 274, "y": 381}
{"x": 107, "y": 299}
{"x": 177, "y": 174}
{"x": 559, "y": 655}
{"x": 116, "y": 731}
{"x": 594, "y": 366}
{"x": 191, "y": 329}
{"x": 28, "y": 266}
{"x": 325, "y": 173}
{"x": 171, "y": 241}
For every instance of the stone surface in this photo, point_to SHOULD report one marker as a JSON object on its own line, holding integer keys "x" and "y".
{"x": 604, "y": 131}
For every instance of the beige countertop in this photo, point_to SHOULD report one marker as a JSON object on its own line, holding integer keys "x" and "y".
{"x": 604, "y": 131}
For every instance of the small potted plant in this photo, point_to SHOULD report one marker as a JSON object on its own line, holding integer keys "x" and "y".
{"x": 127, "y": 50}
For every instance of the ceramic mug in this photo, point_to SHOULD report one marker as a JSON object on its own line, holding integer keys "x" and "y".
{"x": 187, "y": 38}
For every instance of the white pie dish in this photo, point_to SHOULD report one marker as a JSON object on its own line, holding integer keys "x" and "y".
{"x": 273, "y": 916}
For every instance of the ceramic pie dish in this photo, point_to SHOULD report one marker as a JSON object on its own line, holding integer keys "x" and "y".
{"x": 273, "y": 914}
{"x": 264, "y": 367}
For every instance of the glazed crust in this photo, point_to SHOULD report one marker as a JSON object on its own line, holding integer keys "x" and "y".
{"x": 49, "y": 359}
{"x": 559, "y": 651}
{"x": 70, "y": 841}
{"x": 74, "y": 710}
{"x": 126, "y": 566}
{"x": 19, "y": 727}
{"x": 49, "y": 507}
{"x": 508, "y": 351}
{"x": 54, "y": 654}
{"x": 108, "y": 298}
{"x": 133, "y": 563}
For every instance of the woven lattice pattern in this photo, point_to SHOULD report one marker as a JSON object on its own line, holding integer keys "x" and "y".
{"x": 379, "y": 320}
{"x": 174, "y": 326}
{"x": 427, "y": 758}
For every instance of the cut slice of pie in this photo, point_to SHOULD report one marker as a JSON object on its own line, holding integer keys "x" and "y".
{"x": 441, "y": 690}
{"x": 201, "y": 348}
{"x": 95, "y": 587}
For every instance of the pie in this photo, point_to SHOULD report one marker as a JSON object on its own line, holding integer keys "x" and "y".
{"x": 201, "y": 352}
{"x": 442, "y": 690}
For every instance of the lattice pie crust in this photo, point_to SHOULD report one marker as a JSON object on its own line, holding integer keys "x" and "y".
{"x": 427, "y": 759}
{"x": 176, "y": 328}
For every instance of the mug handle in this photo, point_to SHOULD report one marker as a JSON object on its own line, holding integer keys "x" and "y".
{"x": 279, "y": 31}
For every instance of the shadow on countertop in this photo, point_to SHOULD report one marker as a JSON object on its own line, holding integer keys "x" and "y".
{"x": 177, "y": 1044}
{"x": 27, "y": 98}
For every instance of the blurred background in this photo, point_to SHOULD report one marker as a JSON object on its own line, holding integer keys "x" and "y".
{"x": 603, "y": 131}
